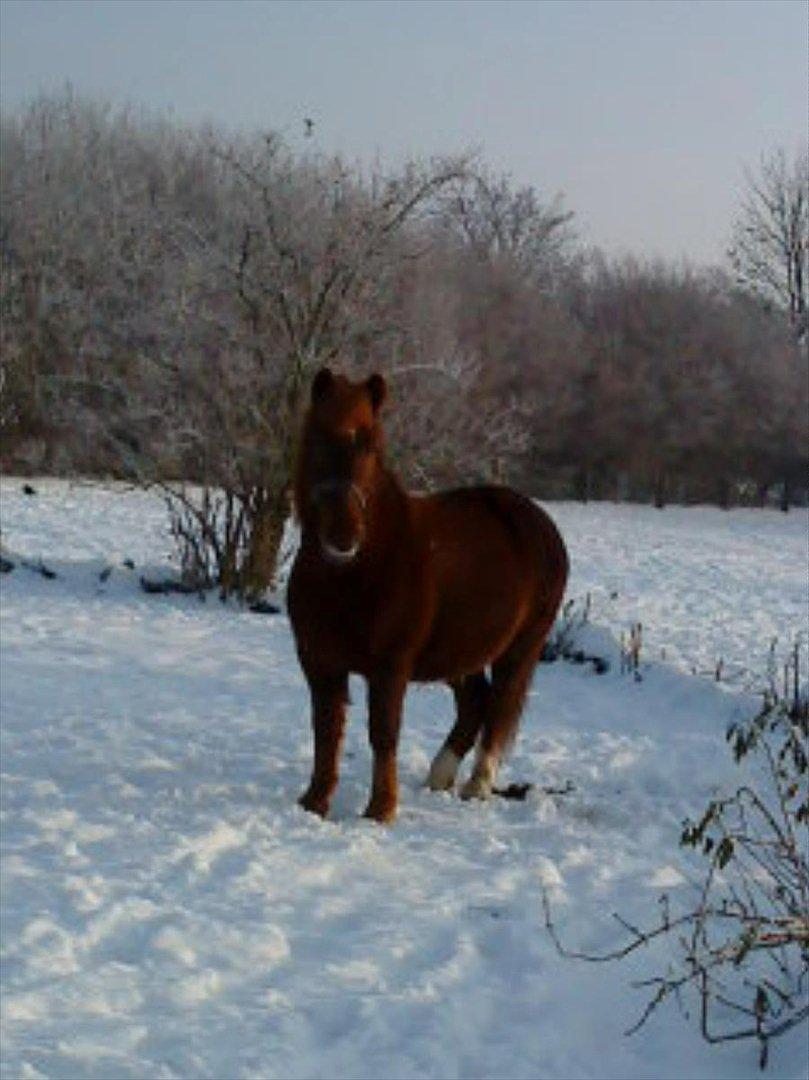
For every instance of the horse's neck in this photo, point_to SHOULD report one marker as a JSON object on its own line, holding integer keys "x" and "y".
{"x": 389, "y": 506}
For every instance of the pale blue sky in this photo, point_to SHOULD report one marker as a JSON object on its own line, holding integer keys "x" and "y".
{"x": 642, "y": 113}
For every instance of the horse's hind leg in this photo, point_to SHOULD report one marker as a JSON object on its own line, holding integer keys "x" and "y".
{"x": 511, "y": 677}
{"x": 471, "y": 698}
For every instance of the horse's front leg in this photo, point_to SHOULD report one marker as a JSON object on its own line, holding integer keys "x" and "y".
{"x": 329, "y": 697}
{"x": 386, "y": 692}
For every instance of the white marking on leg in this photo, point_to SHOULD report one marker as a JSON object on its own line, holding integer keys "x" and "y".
{"x": 443, "y": 770}
{"x": 484, "y": 773}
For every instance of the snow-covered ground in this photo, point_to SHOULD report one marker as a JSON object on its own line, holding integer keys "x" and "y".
{"x": 168, "y": 911}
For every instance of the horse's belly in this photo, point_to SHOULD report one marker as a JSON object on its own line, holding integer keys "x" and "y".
{"x": 441, "y": 666}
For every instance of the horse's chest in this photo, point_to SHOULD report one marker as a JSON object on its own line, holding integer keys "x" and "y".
{"x": 336, "y": 625}
{"x": 344, "y": 628}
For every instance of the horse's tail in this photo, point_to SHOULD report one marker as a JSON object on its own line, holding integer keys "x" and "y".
{"x": 517, "y": 665}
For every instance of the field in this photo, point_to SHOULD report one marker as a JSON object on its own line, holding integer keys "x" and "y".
{"x": 168, "y": 911}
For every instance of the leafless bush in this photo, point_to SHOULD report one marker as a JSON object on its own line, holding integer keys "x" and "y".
{"x": 743, "y": 948}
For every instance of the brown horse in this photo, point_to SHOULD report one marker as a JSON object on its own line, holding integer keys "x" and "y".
{"x": 401, "y": 588}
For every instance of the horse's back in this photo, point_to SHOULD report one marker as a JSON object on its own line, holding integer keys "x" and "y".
{"x": 494, "y": 527}
{"x": 497, "y": 566}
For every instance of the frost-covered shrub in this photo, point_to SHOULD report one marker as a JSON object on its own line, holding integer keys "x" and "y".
{"x": 747, "y": 946}
{"x": 743, "y": 947}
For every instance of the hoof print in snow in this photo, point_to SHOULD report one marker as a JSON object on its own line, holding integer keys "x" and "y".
{"x": 264, "y": 607}
{"x": 168, "y": 585}
{"x": 40, "y": 568}
{"x": 513, "y": 791}
{"x": 565, "y": 789}
{"x": 520, "y": 792}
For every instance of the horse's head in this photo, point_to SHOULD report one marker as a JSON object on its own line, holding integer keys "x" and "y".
{"x": 340, "y": 459}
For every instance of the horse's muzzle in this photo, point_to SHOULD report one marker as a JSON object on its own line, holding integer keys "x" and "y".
{"x": 338, "y": 556}
{"x": 340, "y": 507}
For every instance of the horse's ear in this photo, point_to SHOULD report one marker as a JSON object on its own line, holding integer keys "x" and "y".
{"x": 377, "y": 390}
{"x": 321, "y": 384}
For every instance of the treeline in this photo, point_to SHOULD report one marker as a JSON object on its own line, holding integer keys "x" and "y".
{"x": 168, "y": 290}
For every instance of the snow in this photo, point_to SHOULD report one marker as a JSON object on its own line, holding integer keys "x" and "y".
{"x": 706, "y": 584}
{"x": 168, "y": 910}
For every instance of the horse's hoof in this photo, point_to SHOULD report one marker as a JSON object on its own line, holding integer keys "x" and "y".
{"x": 476, "y": 787}
{"x": 384, "y": 813}
{"x": 443, "y": 770}
{"x": 314, "y": 804}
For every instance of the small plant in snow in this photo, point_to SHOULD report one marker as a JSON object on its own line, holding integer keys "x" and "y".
{"x": 574, "y": 615}
{"x": 564, "y": 642}
{"x": 631, "y": 644}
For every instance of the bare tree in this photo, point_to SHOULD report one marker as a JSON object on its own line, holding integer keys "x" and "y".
{"x": 688, "y": 389}
{"x": 167, "y": 292}
{"x": 770, "y": 248}
{"x": 88, "y": 290}
{"x": 500, "y": 222}
{"x": 510, "y": 249}
{"x": 305, "y": 261}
